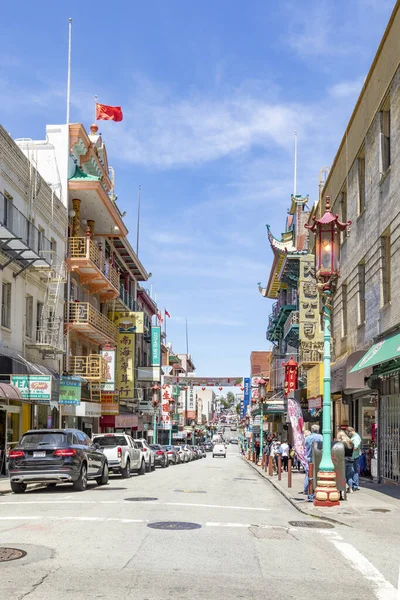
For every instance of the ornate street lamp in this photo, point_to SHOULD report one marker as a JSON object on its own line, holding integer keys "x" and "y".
{"x": 262, "y": 393}
{"x": 193, "y": 424}
{"x": 327, "y": 270}
{"x": 155, "y": 402}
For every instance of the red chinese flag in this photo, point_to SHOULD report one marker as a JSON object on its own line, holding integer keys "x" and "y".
{"x": 108, "y": 113}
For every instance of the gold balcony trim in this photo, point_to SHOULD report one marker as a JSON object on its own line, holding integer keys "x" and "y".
{"x": 83, "y": 249}
{"x": 92, "y": 367}
{"x": 84, "y": 317}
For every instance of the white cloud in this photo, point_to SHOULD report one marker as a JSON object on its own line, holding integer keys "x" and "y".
{"x": 347, "y": 89}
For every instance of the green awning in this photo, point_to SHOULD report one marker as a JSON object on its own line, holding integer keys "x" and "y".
{"x": 381, "y": 352}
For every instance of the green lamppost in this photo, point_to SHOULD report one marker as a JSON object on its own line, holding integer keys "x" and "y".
{"x": 262, "y": 392}
{"x": 156, "y": 400}
{"x": 327, "y": 231}
{"x": 175, "y": 395}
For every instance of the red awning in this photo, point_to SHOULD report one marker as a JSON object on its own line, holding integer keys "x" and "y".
{"x": 10, "y": 392}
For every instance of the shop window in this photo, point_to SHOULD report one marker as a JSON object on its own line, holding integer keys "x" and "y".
{"x": 28, "y": 315}
{"x": 6, "y": 305}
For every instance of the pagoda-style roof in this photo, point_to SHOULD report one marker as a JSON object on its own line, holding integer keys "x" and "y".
{"x": 80, "y": 175}
{"x": 282, "y": 246}
{"x": 296, "y": 200}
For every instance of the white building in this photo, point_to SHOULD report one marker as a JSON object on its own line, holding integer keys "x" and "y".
{"x": 33, "y": 227}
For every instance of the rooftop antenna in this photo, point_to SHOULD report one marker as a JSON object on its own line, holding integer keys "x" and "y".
{"x": 69, "y": 68}
{"x": 138, "y": 224}
{"x": 295, "y": 165}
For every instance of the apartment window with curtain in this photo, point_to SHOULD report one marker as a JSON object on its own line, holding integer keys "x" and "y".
{"x": 344, "y": 310}
{"x": 361, "y": 181}
{"x": 28, "y": 315}
{"x": 385, "y": 137}
{"x": 385, "y": 269}
{"x": 361, "y": 293}
{"x": 39, "y": 310}
{"x": 6, "y": 305}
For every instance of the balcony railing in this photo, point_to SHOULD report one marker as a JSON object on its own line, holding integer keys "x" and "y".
{"x": 127, "y": 298}
{"x": 83, "y": 316}
{"x": 293, "y": 319}
{"x": 92, "y": 367}
{"x": 84, "y": 248}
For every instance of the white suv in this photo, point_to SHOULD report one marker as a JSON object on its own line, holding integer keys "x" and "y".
{"x": 219, "y": 450}
{"x": 148, "y": 453}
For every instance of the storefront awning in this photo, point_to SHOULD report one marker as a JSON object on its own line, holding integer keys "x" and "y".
{"x": 381, "y": 352}
{"x": 9, "y": 391}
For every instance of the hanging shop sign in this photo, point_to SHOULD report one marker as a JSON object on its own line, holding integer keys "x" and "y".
{"x": 33, "y": 387}
{"x": 70, "y": 390}
{"x": 291, "y": 373}
{"x": 165, "y": 419}
{"x": 204, "y": 381}
{"x": 247, "y": 393}
{"x": 109, "y": 355}
{"x": 125, "y": 354}
{"x": 109, "y": 404}
{"x": 254, "y": 382}
{"x": 156, "y": 346}
{"x": 128, "y": 322}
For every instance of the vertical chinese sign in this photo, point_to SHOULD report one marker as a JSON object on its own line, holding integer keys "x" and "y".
{"x": 109, "y": 355}
{"x": 128, "y": 324}
{"x": 311, "y": 335}
{"x": 191, "y": 406}
{"x": 165, "y": 422}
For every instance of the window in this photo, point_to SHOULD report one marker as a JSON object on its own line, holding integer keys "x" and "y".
{"x": 8, "y": 210}
{"x": 28, "y": 315}
{"x": 385, "y": 268}
{"x": 40, "y": 239}
{"x": 361, "y": 293}
{"x": 6, "y": 305}
{"x": 344, "y": 310}
{"x": 39, "y": 314}
{"x": 385, "y": 137}
{"x": 361, "y": 181}
{"x": 343, "y": 211}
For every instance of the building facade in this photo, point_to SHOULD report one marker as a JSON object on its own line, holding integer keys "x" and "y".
{"x": 33, "y": 226}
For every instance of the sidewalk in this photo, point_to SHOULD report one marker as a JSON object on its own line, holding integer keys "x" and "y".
{"x": 6, "y": 489}
{"x": 371, "y": 499}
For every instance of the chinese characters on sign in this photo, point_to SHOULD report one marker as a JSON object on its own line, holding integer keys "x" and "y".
{"x": 165, "y": 420}
{"x": 109, "y": 404}
{"x": 311, "y": 335}
{"x": 109, "y": 356}
{"x": 125, "y": 355}
{"x": 291, "y": 375}
{"x": 191, "y": 408}
{"x": 70, "y": 391}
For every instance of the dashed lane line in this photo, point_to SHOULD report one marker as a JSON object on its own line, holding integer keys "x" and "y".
{"x": 92, "y": 502}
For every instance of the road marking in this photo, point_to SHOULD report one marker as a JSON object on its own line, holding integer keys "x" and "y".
{"x": 228, "y": 525}
{"x": 80, "y": 519}
{"x": 383, "y": 589}
{"x": 215, "y": 506}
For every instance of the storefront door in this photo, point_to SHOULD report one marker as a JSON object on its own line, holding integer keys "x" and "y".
{"x": 389, "y": 434}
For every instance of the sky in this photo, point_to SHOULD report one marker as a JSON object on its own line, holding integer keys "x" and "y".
{"x": 212, "y": 93}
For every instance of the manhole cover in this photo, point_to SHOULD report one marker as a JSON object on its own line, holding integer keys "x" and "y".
{"x": 380, "y": 510}
{"x": 192, "y": 491}
{"x": 174, "y": 525}
{"x": 7, "y": 554}
{"x": 141, "y": 499}
{"x": 311, "y": 524}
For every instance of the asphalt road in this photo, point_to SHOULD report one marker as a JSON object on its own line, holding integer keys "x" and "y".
{"x": 98, "y": 544}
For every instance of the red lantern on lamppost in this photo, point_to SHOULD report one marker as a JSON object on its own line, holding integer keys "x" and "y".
{"x": 155, "y": 402}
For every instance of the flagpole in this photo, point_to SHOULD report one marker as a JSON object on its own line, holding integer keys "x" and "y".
{"x": 95, "y": 108}
{"x": 69, "y": 68}
{"x": 187, "y": 338}
{"x": 138, "y": 224}
{"x": 165, "y": 324}
{"x": 295, "y": 165}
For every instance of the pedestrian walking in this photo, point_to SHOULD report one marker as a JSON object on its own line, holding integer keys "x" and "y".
{"x": 285, "y": 455}
{"x": 278, "y": 452}
{"x": 348, "y": 459}
{"x": 356, "y": 441}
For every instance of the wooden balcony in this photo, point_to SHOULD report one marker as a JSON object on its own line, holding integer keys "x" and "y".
{"x": 91, "y": 368}
{"x": 83, "y": 318}
{"x": 85, "y": 258}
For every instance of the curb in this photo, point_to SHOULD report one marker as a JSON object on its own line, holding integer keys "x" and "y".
{"x": 289, "y": 498}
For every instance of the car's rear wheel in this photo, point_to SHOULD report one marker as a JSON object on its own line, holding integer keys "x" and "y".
{"x": 18, "y": 488}
{"x": 148, "y": 468}
{"x": 103, "y": 480}
{"x": 153, "y": 467}
{"x": 142, "y": 469}
{"x": 80, "y": 484}
{"x": 126, "y": 471}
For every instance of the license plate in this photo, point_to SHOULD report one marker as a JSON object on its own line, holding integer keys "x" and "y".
{"x": 39, "y": 454}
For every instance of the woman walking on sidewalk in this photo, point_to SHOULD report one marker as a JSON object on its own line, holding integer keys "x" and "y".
{"x": 348, "y": 459}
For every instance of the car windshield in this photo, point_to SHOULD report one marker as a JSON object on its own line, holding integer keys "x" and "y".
{"x": 43, "y": 439}
{"x": 110, "y": 440}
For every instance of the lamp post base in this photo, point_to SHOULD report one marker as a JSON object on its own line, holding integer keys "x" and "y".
{"x": 326, "y": 493}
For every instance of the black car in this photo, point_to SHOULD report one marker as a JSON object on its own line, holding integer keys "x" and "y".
{"x": 56, "y": 456}
{"x": 208, "y": 446}
{"x": 161, "y": 456}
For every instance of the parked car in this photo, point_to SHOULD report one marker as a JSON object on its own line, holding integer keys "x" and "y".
{"x": 208, "y": 446}
{"x": 173, "y": 454}
{"x": 234, "y": 441}
{"x": 160, "y": 455}
{"x": 184, "y": 454}
{"x": 219, "y": 450}
{"x": 54, "y": 456}
{"x": 202, "y": 449}
{"x": 190, "y": 452}
{"x": 148, "y": 454}
{"x": 122, "y": 453}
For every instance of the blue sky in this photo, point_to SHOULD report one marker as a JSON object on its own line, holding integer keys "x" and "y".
{"x": 212, "y": 93}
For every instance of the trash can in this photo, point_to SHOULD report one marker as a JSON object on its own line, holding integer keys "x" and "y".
{"x": 337, "y": 453}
